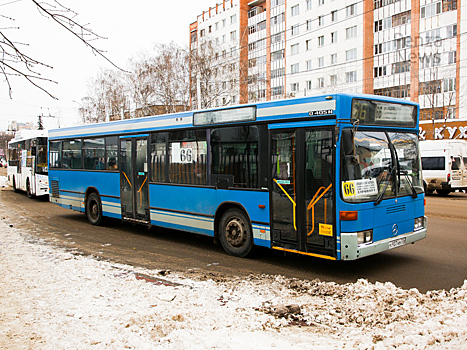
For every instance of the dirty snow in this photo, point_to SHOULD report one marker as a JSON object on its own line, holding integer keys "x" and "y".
{"x": 55, "y": 299}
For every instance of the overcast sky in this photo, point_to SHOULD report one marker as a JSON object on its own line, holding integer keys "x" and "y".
{"x": 129, "y": 26}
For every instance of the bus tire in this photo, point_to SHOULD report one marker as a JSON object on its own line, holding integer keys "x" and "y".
{"x": 28, "y": 190}
{"x": 94, "y": 209}
{"x": 442, "y": 193}
{"x": 235, "y": 233}
{"x": 15, "y": 189}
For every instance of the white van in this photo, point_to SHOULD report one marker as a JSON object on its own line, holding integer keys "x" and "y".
{"x": 444, "y": 165}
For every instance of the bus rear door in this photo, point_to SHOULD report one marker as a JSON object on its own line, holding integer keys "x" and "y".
{"x": 302, "y": 191}
{"x": 134, "y": 179}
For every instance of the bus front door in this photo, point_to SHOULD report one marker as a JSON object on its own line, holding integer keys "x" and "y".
{"x": 302, "y": 195}
{"x": 134, "y": 188}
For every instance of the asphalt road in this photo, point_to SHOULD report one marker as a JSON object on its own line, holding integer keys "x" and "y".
{"x": 437, "y": 262}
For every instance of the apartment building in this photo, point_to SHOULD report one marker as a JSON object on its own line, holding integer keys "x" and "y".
{"x": 409, "y": 49}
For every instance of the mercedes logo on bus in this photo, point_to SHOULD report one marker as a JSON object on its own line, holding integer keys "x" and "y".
{"x": 395, "y": 229}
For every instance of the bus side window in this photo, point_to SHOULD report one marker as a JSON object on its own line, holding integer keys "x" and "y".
{"x": 235, "y": 156}
{"x": 188, "y": 157}
{"x": 55, "y": 154}
{"x": 111, "y": 153}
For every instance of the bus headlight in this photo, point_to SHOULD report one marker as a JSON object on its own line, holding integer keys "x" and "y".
{"x": 365, "y": 236}
{"x": 419, "y": 223}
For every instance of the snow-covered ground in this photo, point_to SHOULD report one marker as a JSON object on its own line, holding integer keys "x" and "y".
{"x": 54, "y": 299}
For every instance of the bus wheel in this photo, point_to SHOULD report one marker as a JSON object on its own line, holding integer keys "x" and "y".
{"x": 14, "y": 185}
{"x": 235, "y": 233}
{"x": 442, "y": 193}
{"x": 28, "y": 190}
{"x": 94, "y": 209}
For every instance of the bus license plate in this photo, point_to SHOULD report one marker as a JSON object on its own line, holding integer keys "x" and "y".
{"x": 397, "y": 243}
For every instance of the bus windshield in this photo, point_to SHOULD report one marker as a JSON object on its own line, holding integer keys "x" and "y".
{"x": 379, "y": 165}
{"x": 41, "y": 156}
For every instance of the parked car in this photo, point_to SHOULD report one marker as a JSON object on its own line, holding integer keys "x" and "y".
{"x": 3, "y": 163}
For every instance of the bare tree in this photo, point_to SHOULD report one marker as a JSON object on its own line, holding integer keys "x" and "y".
{"x": 15, "y": 63}
{"x": 106, "y": 98}
{"x": 214, "y": 76}
{"x": 170, "y": 72}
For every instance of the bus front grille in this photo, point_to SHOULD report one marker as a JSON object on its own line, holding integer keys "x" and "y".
{"x": 395, "y": 209}
{"x": 55, "y": 189}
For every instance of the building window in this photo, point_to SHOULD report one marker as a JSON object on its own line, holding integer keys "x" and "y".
{"x": 309, "y": 85}
{"x": 308, "y": 65}
{"x": 320, "y": 21}
{"x": 333, "y": 16}
{"x": 294, "y": 68}
{"x": 275, "y": 91}
{"x": 202, "y": 33}
{"x": 277, "y": 19}
{"x": 449, "y": 84}
{"x": 294, "y": 10}
{"x": 320, "y": 2}
{"x": 351, "y": 32}
{"x": 294, "y": 87}
{"x": 320, "y": 83}
{"x": 449, "y": 5}
{"x": 308, "y": 4}
{"x": 223, "y": 23}
{"x": 308, "y": 24}
{"x": 351, "y": 10}
{"x": 378, "y": 25}
{"x": 401, "y": 67}
{"x": 452, "y": 57}
{"x": 294, "y": 29}
{"x": 321, "y": 40}
{"x": 294, "y": 49}
{"x": 333, "y": 37}
{"x": 333, "y": 80}
{"x": 430, "y": 87}
{"x": 233, "y": 19}
{"x": 451, "y": 31}
{"x": 277, "y": 55}
{"x": 334, "y": 58}
{"x": 308, "y": 44}
{"x": 277, "y": 73}
{"x": 400, "y": 19}
{"x": 351, "y": 77}
{"x": 320, "y": 61}
{"x": 233, "y": 35}
{"x": 351, "y": 55}
{"x": 430, "y": 10}
{"x": 379, "y": 71}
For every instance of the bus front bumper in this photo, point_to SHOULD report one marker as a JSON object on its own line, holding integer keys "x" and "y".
{"x": 350, "y": 250}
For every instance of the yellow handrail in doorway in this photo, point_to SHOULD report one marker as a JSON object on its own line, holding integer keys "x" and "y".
{"x": 311, "y": 206}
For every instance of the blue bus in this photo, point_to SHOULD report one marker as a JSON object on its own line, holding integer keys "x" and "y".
{"x": 334, "y": 176}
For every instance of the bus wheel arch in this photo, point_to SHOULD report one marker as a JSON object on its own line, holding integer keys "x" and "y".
{"x": 93, "y": 206}
{"x": 233, "y": 229}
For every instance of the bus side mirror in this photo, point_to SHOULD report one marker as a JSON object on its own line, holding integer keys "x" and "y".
{"x": 347, "y": 141}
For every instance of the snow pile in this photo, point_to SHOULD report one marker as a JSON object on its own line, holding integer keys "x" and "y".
{"x": 3, "y": 181}
{"x": 53, "y": 299}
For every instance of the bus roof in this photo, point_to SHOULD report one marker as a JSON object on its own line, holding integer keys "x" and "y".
{"x": 22, "y": 135}
{"x": 316, "y": 107}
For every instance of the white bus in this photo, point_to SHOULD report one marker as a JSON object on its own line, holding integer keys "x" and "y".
{"x": 444, "y": 165}
{"x": 27, "y": 163}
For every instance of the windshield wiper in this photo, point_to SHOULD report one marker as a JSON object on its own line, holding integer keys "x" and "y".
{"x": 406, "y": 174}
{"x": 381, "y": 195}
